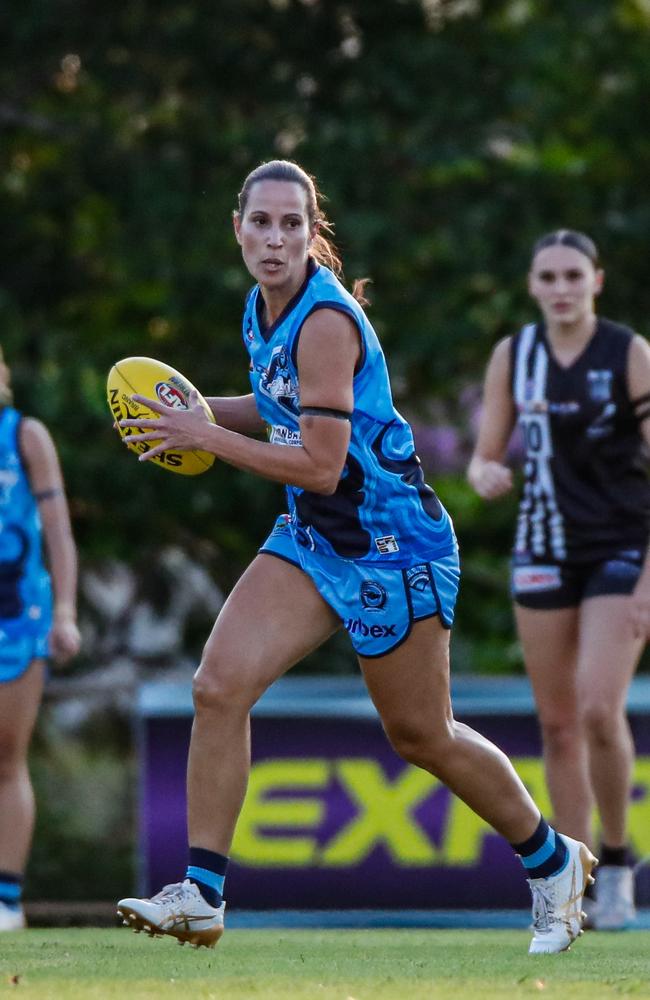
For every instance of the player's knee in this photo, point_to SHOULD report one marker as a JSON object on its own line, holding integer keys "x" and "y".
{"x": 11, "y": 760}
{"x": 425, "y": 745}
{"x": 559, "y": 734}
{"x": 601, "y": 722}
{"x": 222, "y": 690}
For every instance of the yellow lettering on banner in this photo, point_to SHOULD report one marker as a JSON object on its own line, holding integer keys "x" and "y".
{"x": 463, "y": 838}
{"x": 640, "y": 809}
{"x": 531, "y": 772}
{"x": 384, "y": 815}
{"x": 254, "y": 846}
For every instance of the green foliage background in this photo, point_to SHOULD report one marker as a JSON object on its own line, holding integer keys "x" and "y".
{"x": 446, "y": 135}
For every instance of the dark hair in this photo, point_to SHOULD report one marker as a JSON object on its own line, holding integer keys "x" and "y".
{"x": 568, "y": 238}
{"x": 322, "y": 247}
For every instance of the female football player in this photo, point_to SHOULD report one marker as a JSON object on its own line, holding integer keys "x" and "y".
{"x": 579, "y": 386}
{"x": 32, "y": 504}
{"x": 366, "y": 545}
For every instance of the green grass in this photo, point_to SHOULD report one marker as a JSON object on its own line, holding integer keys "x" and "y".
{"x": 320, "y": 965}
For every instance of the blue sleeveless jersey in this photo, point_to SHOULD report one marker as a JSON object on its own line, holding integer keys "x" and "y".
{"x": 25, "y": 594}
{"x": 382, "y": 511}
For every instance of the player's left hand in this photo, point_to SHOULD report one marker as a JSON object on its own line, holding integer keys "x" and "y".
{"x": 172, "y": 429}
{"x": 65, "y": 639}
{"x": 639, "y": 613}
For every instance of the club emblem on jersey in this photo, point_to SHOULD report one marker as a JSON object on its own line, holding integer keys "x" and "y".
{"x": 599, "y": 385}
{"x": 418, "y": 578}
{"x": 277, "y": 381}
{"x": 373, "y": 596}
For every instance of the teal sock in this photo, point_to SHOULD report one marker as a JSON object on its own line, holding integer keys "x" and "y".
{"x": 207, "y": 870}
{"x": 544, "y": 854}
{"x": 11, "y": 889}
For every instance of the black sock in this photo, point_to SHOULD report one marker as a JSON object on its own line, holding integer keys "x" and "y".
{"x": 618, "y": 856}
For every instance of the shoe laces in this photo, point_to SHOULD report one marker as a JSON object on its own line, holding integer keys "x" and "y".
{"x": 173, "y": 892}
{"x": 543, "y": 915}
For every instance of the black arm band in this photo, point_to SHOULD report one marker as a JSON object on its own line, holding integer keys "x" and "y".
{"x": 48, "y": 494}
{"x": 641, "y": 400}
{"x": 325, "y": 411}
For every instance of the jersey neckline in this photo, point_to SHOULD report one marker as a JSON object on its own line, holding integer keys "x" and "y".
{"x": 266, "y": 332}
{"x": 541, "y": 329}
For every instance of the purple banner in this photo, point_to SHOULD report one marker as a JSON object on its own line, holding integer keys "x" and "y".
{"x": 333, "y": 819}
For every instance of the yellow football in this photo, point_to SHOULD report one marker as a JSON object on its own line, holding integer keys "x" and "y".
{"x": 155, "y": 380}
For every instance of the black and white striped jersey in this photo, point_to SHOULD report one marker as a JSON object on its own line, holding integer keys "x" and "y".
{"x": 586, "y": 493}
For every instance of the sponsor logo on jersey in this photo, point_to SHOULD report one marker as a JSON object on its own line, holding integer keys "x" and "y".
{"x": 418, "y": 578}
{"x": 372, "y": 595}
{"x": 285, "y": 435}
{"x": 565, "y": 409}
{"x": 386, "y": 544}
{"x": 356, "y": 627}
{"x": 170, "y": 395}
{"x": 528, "y": 579}
{"x": 599, "y": 385}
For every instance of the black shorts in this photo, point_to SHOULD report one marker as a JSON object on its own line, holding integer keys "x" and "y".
{"x": 546, "y": 585}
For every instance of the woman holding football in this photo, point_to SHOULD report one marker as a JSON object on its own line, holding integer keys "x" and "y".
{"x": 366, "y": 545}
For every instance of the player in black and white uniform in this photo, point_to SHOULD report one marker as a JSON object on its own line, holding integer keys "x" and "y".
{"x": 579, "y": 388}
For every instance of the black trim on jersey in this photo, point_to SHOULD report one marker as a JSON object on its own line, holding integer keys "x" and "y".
{"x": 19, "y": 448}
{"x": 338, "y": 307}
{"x": 267, "y": 332}
{"x": 410, "y": 472}
{"x": 270, "y": 552}
{"x": 324, "y": 411}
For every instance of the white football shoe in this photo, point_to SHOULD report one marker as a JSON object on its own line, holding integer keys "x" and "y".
{"x": 615, "y": 908}
{"x": 178, "y": 910}
{"x": 557, "y": 901}
{"x": 12, "y": 918}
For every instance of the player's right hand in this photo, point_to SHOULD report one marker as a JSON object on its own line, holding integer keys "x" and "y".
{"x": 492, "y": 480}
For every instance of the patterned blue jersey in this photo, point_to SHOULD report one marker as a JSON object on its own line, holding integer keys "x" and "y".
{"x": 382, "y": 510}
{"x": 25, "y": 595}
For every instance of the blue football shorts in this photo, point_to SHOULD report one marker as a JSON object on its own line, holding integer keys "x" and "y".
{"x": 23, "y": 640}
{"x": 377, "y": 605}
{"x": 546, "y": 586}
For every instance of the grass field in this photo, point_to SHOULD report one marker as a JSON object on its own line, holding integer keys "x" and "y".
{"x": 320, "y": 965}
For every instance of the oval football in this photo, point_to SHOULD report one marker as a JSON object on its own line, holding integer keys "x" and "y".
{"x": 155, "y": 380}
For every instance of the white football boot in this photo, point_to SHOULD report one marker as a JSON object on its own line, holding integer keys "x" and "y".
{"x": 557, "y": 901}
{"x": 178, "y": 910}
{"x": 615, "y": 908}
{"x": 12, "y": 918}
